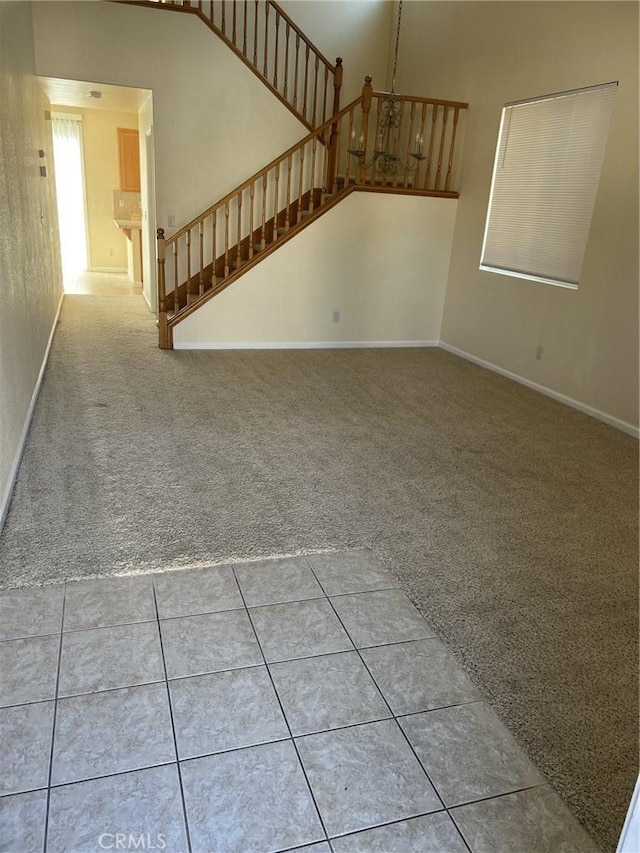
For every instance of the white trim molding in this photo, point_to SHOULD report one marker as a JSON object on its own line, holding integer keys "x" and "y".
{"x": 13, "y": 472}
{"x": 623, "y": 426}
{"x": 630, "y": 836}
{"x": 300, "y": 344}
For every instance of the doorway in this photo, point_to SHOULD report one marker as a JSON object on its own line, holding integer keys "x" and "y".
{"x": 110, "y": 221}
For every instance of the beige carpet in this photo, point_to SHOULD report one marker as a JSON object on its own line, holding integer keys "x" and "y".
{"x": 510, "y": 520}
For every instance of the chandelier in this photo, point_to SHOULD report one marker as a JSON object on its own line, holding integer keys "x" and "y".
{"x": 385, "y": 158}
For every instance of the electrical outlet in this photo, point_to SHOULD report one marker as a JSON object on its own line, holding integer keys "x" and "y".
{"x": 171, "y": 221}
{"x": 336, "y": 317}
{"x": 539, "y": 352}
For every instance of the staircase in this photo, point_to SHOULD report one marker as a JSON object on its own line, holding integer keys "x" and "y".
{"x": 380, "y": 142}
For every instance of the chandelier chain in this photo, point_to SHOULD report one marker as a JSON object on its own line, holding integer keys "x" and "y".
{"x": 395, "y": 57}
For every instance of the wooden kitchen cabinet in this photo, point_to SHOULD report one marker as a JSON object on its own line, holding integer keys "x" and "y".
{"x": 129, "y": 159}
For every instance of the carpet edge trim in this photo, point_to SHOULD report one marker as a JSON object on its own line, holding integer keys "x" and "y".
{"x": 617, "y": 423}
{"x": 5, "y": 501}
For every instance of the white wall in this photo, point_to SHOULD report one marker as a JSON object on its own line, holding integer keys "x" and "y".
{"x": 148, "y": 202}
{"x": 30, "y": 273}
{"x": 215, "y": 123}
{"x": 488, "y": 53}
{"x": 381, "y": 260}
{"x": 356, "y": 30}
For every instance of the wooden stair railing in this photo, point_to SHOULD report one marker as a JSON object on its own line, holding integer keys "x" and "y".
{"x": 265, "y": 38}
{"x": 204, "y": 257}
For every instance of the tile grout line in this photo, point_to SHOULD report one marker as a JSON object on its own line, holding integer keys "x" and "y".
{"x": 173, "y": 727}
{"x": 394, "y": 717}
{"x": 45, "y": 837}
{"x": 166, "y": 681}
{"x": 437, "y": 793}
{"x": 284, "y": 716}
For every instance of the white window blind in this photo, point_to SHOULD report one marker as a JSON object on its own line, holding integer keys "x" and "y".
{"x": 545, "y": 179}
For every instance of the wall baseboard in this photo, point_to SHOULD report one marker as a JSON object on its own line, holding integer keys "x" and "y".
{"x": 631, "y": 828}
{"x": 110, "y": 269}
{"x": 217, "y": 345}
{"x": 13, "y": 473}
{"x": 623, "y": 426}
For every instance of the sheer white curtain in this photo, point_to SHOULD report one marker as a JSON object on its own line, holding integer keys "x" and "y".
{"x": 67, "y": 152}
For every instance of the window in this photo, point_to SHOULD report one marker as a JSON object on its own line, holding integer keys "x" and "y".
{"x": 545, "y": 179}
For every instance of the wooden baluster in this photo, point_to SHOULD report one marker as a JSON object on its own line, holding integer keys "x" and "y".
{"x": 300, "y": 184}
{"x": 214, "y": 248}
{"x": 226, "y": 239}
{"x": 276, "y": 202}
{"x": 164, "y": 341}
{"x": 410, "y": 143}
{"x": 306, "y": 80}
{"x": 201, "y": 273}
{"x": 452, "y": 144}
{"x": 314, "y": 147}
{"x": 351, "y": 137}
{"x": 434, "y": 121}
{"x": 252, "y": 189}
{"x": 287, "y": 215}
{"x": 315, "y": 92}
{"x": 323, "y": 117}
{"x": 266, "y": 40}
{"x": 263, "y": 239}
{"x": 244, "y": 28}
{"x": 188, "y": 241}
{"x": 333, "y": 149}
{"x": 441, "y": 152}
{"x": 337, "y": 85}
{"x": 295, "y": 76}
{"x": 275, "y": 61}
{"x": 234, "y": 25}
{"x": 176, "y": 301}
{"x": 367, "y": 96}
{"x": 239, "y": 234}
{"x": 287, "y": 33}
{"x": 379, "y": 143}
{"x": 324, "y": 184}
{"x": 211, "y": 11}
{"x": 334, "y": 182}
{"x": 223, "y": 4}
{"x": 255, "y": 37}
{"x": 423, "y": 119}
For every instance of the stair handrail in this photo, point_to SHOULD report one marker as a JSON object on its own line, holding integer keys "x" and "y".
{"x": 319, "y": 131}
{"x": 330, "y": 162}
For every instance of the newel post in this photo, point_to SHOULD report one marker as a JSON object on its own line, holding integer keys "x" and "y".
{"x": 164, "y": 336}
{"x": 367, "y": 98}
{"x": 333, "y": 138}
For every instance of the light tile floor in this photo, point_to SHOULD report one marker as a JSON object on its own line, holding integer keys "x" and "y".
{"x": 89, "y": 283}
{"x": 299, "y": 703}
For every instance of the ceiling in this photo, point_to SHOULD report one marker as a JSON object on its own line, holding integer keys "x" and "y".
{"x": 75, "y": 93}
